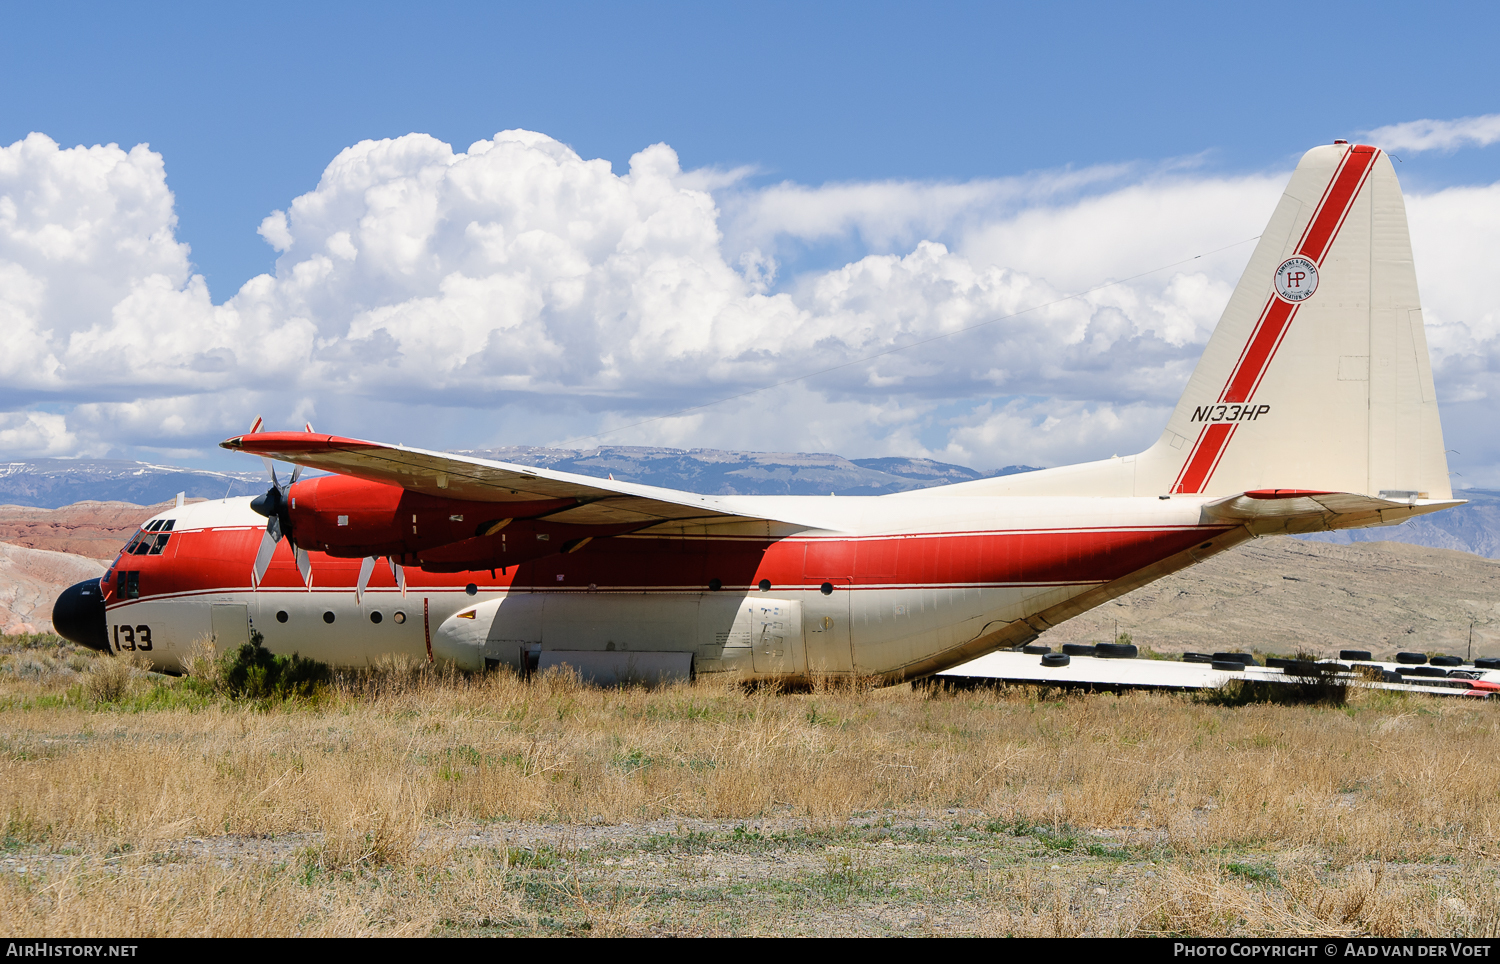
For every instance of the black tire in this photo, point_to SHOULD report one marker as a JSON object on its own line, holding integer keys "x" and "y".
{"x": 1487, "y": 662}
{"x": 1116, "y": 650}
{"x": 1197, "y": 658}
{"x": 1055, "y": 660}
{"x": 1243, "y": 658}
{"x": 1431, "y": 671}
{"x": 1229, "y": 664}
{"x": 1078, "y": 649}
{"x": 1277, "y": 661}
{"x": 1358, "y": 655}
{"x": 1445, "y": 661}
{"x": 1035, "y": 650}
{"x": 1411, "y": 659}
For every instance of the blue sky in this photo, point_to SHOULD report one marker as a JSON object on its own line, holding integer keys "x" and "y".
{"x": 248, "y": 102}
{"x": 247, "y": 105}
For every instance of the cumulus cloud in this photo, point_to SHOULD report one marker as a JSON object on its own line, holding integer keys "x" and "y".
{"x": 1437, "y": 135}
{"x": 37, "y": 434}
{"x": 517, "y": 293}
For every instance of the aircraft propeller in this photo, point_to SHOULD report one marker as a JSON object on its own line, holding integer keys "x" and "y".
{"x": 275, "y": 505}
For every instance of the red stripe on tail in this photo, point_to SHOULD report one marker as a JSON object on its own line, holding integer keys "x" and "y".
{"x": 1276, "y": 318}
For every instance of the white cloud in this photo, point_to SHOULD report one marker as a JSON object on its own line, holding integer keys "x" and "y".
{"x": 1437, "y": 135}
{"x": 516, "y": 293}
{"x": 36, "y": 435}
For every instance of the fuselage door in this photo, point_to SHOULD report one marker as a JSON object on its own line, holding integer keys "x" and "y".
{"x": 776, "y": 637}
{"x": 230, "y": 625}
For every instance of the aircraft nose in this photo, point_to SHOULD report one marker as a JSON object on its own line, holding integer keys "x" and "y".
{"x": 78, "y": 615}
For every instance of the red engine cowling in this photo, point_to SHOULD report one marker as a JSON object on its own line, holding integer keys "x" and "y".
{"x": 349, "y": 517}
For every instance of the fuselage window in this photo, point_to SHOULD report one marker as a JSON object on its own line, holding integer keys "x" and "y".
{"x": 132, "y": 585}
{"x": 160, "y": 543}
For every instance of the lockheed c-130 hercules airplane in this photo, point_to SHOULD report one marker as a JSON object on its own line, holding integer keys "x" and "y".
{"x": 1311, "y": 409}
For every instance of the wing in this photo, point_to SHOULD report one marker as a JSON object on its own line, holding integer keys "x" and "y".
{"x": 1269, "y": 511}
{"x": 600, "y": 502}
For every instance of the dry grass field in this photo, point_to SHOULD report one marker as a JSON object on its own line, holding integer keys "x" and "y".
{"x": 400, "y": 801}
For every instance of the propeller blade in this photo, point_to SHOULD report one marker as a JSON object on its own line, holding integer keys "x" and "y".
{"x": 263, "y": 556}
{"x": 398, "y": 574}
{"x": 366, "y": 567}
{"x": 271, "y": 467}
{"x": 273, "y": 528}
{"x": 296, "y": 471}
{"x": 304, "y": 565}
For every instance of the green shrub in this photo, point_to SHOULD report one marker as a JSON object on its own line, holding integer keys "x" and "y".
{"x": 252, "y": 672}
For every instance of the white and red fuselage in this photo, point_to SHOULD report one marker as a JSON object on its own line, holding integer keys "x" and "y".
{"x": 910, "y": 588}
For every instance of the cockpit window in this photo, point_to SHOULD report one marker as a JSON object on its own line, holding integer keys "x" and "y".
{"x": 151, "y": 539}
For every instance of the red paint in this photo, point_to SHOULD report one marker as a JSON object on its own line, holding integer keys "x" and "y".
{"x": 278, "y": 444}
{"x": 1259, "y": 351}
{"x": 1211, "y": 442}
{"x": 382, "y": 519}
{"x": 1337, "y": 199}
{"x": 216, "y": 560}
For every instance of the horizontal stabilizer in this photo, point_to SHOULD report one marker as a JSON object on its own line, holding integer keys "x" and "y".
{"x": 1272, "y": 511}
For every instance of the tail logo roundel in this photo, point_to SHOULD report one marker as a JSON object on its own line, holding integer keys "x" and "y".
{"x": 1296, "y": 279}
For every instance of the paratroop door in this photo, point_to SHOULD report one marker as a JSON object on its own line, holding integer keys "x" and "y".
{"x": 776, "y": 636}
{"x": 230, "y": 626}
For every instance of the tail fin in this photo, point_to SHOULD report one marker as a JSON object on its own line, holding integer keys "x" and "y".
{"x": 1317, "y": 376}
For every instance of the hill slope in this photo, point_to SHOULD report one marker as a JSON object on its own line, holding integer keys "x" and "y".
{"x": 1283, "y": 595}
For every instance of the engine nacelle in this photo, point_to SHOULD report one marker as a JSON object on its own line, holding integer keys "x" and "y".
{"x": 350, "y": 518}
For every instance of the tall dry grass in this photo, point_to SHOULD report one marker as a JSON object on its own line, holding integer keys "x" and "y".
{"x": 376, "y": 770}
{"x": 1386, "y": 778}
